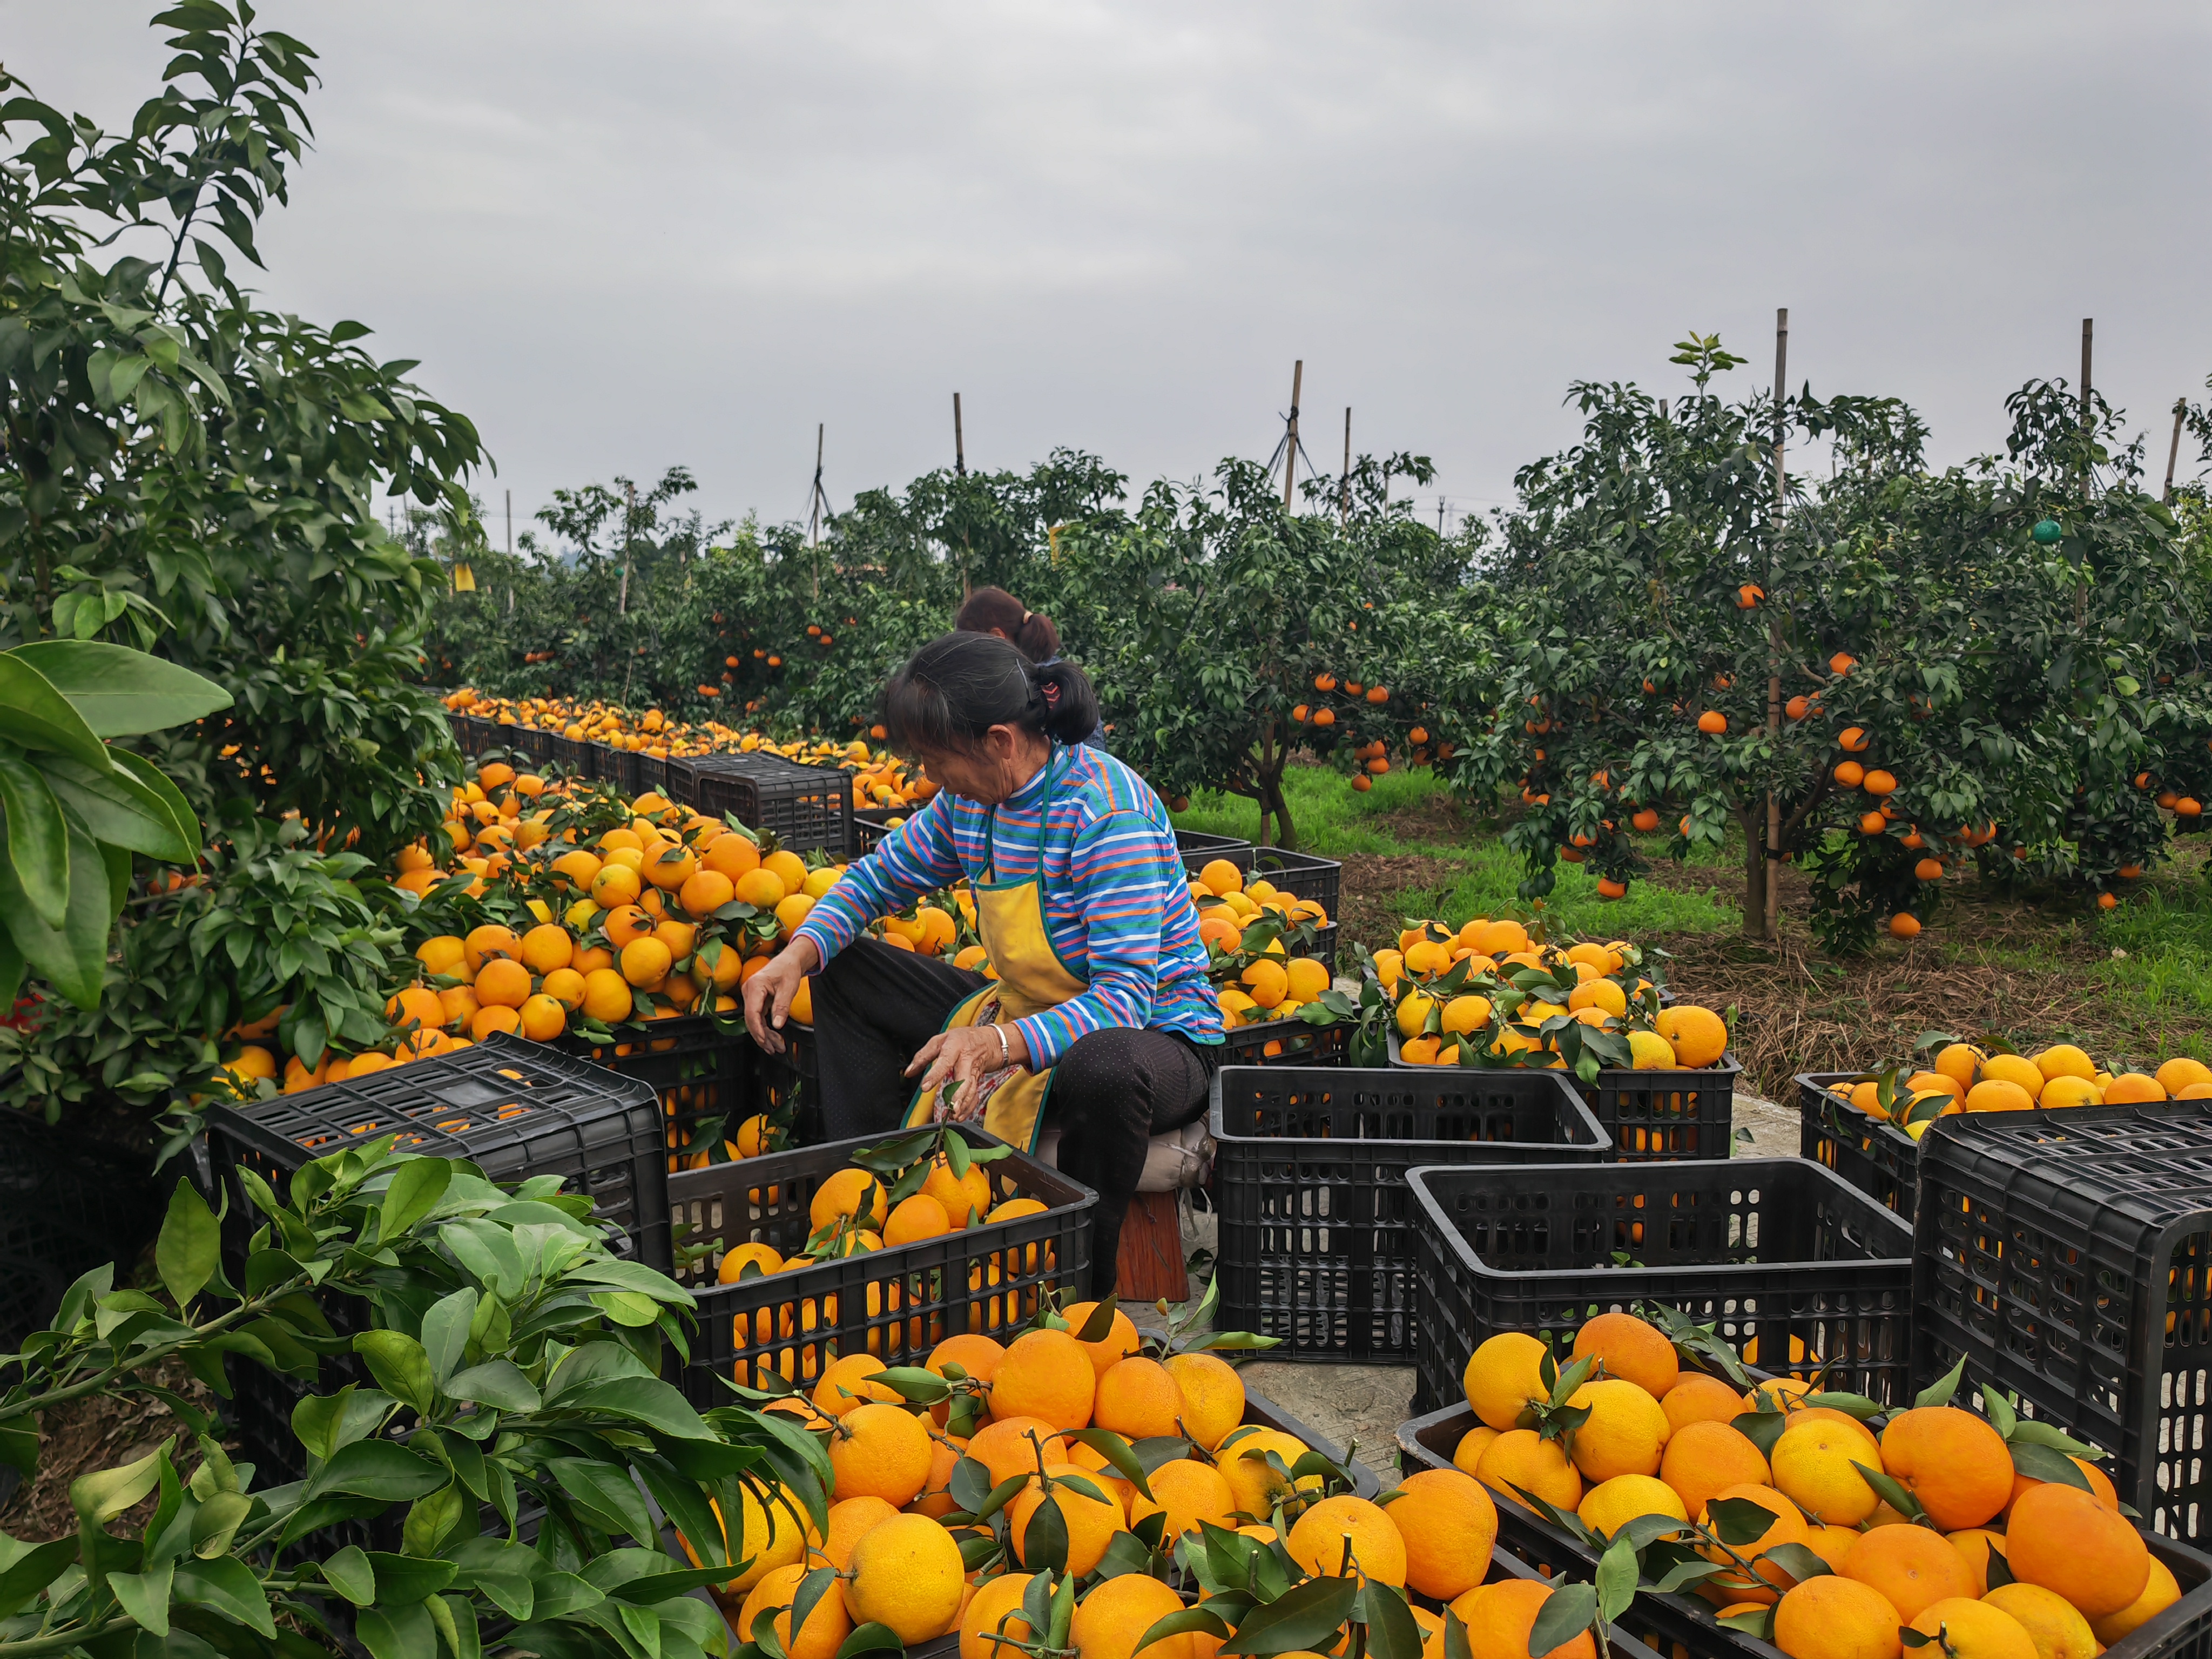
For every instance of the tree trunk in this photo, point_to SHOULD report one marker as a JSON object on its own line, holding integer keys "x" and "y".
{"x": 1286, "y": 832}
{"x": 1756, "y": 869}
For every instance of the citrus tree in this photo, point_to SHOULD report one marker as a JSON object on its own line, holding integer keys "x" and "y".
{"x": 190, "y": 474}
{"x": 1912, "y": 669}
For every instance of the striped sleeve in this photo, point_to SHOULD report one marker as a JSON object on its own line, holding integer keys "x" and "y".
{"x": 916, "y": 858}
{"x": 1117, "y": 866}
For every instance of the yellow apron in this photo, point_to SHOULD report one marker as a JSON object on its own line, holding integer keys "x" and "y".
{"x": 1010, "y": 916}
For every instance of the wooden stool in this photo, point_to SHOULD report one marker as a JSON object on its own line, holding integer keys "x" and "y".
{"x": 1149, "y": 1266}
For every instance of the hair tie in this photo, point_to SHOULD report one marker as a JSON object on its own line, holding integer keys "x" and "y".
{"x": 1026, "y": 615}
{"x": 1051, "y": 690}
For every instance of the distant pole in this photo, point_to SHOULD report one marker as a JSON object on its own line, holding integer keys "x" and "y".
{"x": 510, "y": 524}
{"x": 2173, "y": 450}
{"x": 1440, "y": 516}
{"x": 1344, "y": 480}
{"x": 1772, "y": 919}
{"x": 1291, "y": 449}
{"x": 814, "y": 501}
{"x": 959, "y": 443}
{"x": 2088, "y": 418}
{"x": 629, "y": 512}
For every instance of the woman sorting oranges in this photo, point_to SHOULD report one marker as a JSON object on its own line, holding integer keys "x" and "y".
{"x": 1101, "y": 1014}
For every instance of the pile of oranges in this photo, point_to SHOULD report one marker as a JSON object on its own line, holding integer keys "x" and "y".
{"x": 1964, "y": 1078}
{"x": 1257, "y": 981}
{"x": 914, "y": 1451}
{"x": 1492, "y": 991}
{"x": 1923, "y": 1523}
{"x": 881, "y": 780}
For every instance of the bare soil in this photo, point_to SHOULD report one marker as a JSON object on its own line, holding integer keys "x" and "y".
{"x": 101, "y": 1432}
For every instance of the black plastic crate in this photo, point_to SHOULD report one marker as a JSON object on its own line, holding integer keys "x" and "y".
{"x": 1200, "y": 849}
{"x": 805, "y": 807}
{"x": 2066, "y": 1256}
{"x": 66, "y": 1205}
{"x": 571, "y": 755}
{"x": 637, "y": 771}
{"x": 602, "y": 762}
{"x": 1309, "y": 1169}
{"x": 869, "y": 827}
{"x": 1299, "y": 874}
{"x": 515, "y": 1109}
{"x": 901, "y": 1300}
{"x": 700, "y": 1068}
{"x": 788, "y": 1084}
{"x": 1322, "y": 950}
{"x": 1683, "y": 1624}
{"x": 1780, "y": 1255}
{"x": 1285, "y": 1043}
{"x": 1878, "y": 1158}
{"x": 468, "y": 732}
{"x": 534, "y": 741}
{"x": 1654, "y": 1115}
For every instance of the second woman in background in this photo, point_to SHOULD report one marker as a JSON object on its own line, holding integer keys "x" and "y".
{"x": 995, "y": 611}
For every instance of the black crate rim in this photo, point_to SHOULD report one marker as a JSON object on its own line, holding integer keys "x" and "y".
{"x": 1572, "y": 1108}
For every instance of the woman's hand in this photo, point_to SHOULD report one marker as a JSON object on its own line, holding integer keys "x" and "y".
{"x": 768, "y": 995}
{"x": 964, "y": 1056}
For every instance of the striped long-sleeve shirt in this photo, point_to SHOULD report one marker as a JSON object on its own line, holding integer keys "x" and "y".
{"x": 1116, "y": 899}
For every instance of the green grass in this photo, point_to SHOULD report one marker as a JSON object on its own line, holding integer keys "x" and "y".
{"x": 1405, "y": 813}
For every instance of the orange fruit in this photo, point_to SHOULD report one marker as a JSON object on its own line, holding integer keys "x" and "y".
{"x": 1833, "y": 1618}
{"x": 1188, "y": 1492}
{"x": 546, "y": 947}
{"x": 1787, "y": 1528}
{"x": 544, "y": 1018}
{"x": 1952, "y": 1461}
{"x": 1498, "y": 1617}
{"x": 1113, "y": 1619}
{"x": 1212, "y": 1396}
{"x": 915, "y": 1218}
{"x": 879, "y": 1450}
{"x": 907, "y": 1575}
{"x": 1913, "y": 1567}
{"x": 2160, "y": 1592}
{"x": 2061, "y": 1538}
{"x": 1698, "y": 1398}
{"x": 1348, "y": 1537}
{"x": 1045, "y": 1374}
{"x": 616, "y": 885}
{"x": 1706, "y": 1456}
{"x": 645, "y": 962}
{"x": 607, "y": 996}
{"x": 1004, "y": 1447}
{"x": 844, "y": 1387}
{"x": 1632, "y": 1349}
{"x": 1975, "y": 1629}
{"x": 1521, "y": 1458}
{"x": 2057, "y": 1628}
{"x": 1503, "y": 1376}
{"x": 826, "y": 1624}
{"x": 706, "y": 892}
{"x": 1626, "y": 1432}
{"x": 1138, "y": 1399}
{"x": 1089, "y": 1523}
{"x": 1117, "y": 1345}
{"x": 996, "y": 1609}
{"x": 731, "y": 854}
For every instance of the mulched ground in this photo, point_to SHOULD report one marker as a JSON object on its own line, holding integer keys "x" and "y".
{"x": 101, "y": 1432}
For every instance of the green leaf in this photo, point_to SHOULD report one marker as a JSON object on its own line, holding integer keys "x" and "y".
{"x": 38, "y": 836}
{"x": 2043, "y": 1463}
{"x": 870, "y": 1639}
{"x": 1736, "y": 1521}
{"x": 1618, "y": 1572}
{"x": 350, "y": 1575}
{"x": 143, "y": 1596}
{"x": 120, "y": 811}
{"x": 377, "y": 1468}
{"x": 185, "y": 1255}
{"x": 416, "y": 1187}
{"x": 1100, "y": 1325}
{"x": 399, "y": 1633}
{"x": 403, "y": 1580}
{"x": 34, "y": 1569}
{"x": 1175, "y": 1624}
{"x": 99, "y": 1497}
{"x": 1939, "y": 1392}
{"x": 498, "y": 1383}
{"x": 2029, "y": 1431}
{"x": 1567, "y": 1612}
{"x": 35, "y": 714}
{"x": 1391, "y": 1631}
{"x": 119, "y": 692}
{"x": 1118, "y": 1452}
{"x": 644, "y": 1400}
{"x": 1298, "y": 1620}
{"x": 1887, "y": 1488}
{"x": 156, "y": 783}
{"x": 228, "y": 1587}
{"x": 400, "y": 1367}
{"x": 1798, "y": 1561}
{"x": 217, "y": 1520}
{"x": 1762, "y": 1429}
{"x": 73, "y": 958}
{"x": 1044, "y": 1541}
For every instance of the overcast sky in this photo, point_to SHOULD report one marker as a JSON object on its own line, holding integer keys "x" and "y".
{"x": 623, "y": 236}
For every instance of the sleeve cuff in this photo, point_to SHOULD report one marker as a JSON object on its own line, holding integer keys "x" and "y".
{"x": 1042, "y": 1037}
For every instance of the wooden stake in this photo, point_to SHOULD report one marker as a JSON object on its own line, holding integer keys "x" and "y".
{"x": 2173, "y": 450}
{"x": 814, "y": 505}
{"x": 629, "y": 512}
{"x": 2088, "y": 418}
{"x": 1344, "y": 482}
{"x": 1771, "y": 922}
{"x": 1290, "y": 448}
{"x": 959, "y": 443}
{"x": 510, "y": 524}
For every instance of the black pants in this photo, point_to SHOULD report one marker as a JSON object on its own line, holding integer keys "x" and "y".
{"x": 1112, "y": 1091}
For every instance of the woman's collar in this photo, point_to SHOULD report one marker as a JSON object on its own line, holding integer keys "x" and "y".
{"x": 1030, "y": 793}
